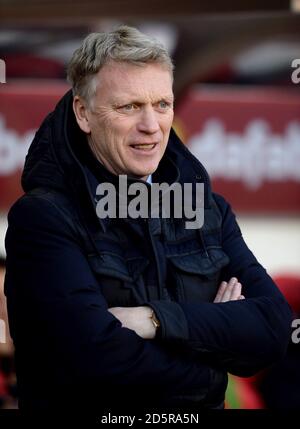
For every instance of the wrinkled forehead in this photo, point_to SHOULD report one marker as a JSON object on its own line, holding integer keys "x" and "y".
{"x": 118, "y": 81}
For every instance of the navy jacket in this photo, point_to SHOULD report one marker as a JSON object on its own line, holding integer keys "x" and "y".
{"x": 65, "y": 267}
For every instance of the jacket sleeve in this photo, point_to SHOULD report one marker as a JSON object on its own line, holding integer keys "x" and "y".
{"x": 55, "y": 301}
{"x": 243, "y": 336}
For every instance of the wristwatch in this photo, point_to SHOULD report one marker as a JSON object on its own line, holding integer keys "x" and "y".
{"x": 154, "y": 320}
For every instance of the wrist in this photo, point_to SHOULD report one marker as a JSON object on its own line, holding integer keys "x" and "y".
{"x": 154, "y": 320}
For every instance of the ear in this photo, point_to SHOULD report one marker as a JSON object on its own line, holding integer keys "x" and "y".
{"x": 81, "y": 114}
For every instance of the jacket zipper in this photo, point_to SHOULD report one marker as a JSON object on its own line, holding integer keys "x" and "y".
{"x": 160, "y": 285}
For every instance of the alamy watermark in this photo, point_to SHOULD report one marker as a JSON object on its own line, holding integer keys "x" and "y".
{"x": 2, "y": 71}
{"x": 296, "y": 332}
{"x": 296, "y": 73}
{"x": 2, "y": 332}
{"x": 139, "y": 200}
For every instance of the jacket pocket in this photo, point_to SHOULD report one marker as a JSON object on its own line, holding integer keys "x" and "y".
{"x": 195, "y": 276}
{"x": 119, "y": 278}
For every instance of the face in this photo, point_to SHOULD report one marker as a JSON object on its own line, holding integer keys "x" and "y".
{"x": 130, "y": 119}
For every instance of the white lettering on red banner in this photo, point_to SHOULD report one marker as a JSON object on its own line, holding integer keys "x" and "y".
{"x": 253, "y": 157}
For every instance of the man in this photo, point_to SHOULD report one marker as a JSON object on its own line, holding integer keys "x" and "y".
{"x": 121, "y": 310}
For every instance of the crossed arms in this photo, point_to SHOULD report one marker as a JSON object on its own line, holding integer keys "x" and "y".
{"x": 139, "y": 318}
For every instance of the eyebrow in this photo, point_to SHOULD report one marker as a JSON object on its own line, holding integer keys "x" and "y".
{"x": 121, "y": 102}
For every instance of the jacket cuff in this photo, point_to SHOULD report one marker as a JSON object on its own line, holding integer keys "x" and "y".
{"x": 173, "y": 323}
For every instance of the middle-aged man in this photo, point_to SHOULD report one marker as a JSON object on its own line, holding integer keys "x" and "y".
{"x": 142, "y": 311}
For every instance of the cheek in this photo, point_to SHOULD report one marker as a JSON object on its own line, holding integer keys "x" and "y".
{"x": 124, "y": 133}
{"x": 120, "y": 127}
{"x": 166, "y": 127}
{"x": 98, "y": 129}
{"x": 113, "y": 132}
{"x": 118, "y": 135}
{"x": 167, "y": 122}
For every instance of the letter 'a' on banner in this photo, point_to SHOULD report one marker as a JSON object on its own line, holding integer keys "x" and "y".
{"x": 2, "y": 71}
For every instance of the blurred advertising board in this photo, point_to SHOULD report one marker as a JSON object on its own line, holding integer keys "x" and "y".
{"x": 249, "y": 141}
{"x": 23, "y": 106}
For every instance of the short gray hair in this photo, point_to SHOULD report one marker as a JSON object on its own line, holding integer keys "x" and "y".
{"x": 125, "y": 44}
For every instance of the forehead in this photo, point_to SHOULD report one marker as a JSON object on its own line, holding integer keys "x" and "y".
{"x": 117, "y": 80}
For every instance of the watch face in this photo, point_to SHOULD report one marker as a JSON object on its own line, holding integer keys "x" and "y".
{"x": 154, "y": 319}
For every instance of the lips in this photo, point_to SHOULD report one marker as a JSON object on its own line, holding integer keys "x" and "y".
{"x": 143, "y": 146}
{"x": 147, "y": 146}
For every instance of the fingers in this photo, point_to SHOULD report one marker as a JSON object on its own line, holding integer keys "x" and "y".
{"x": 220, "y": 292}
{"x": 230, "y": 291}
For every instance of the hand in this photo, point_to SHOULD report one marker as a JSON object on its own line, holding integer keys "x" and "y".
{"x": 230, "y": 291}
{"x": 136, "y": 319}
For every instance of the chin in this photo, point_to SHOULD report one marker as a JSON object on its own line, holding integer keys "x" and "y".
{"x": 145, "y": 172}
{"x": 141, "y": 176}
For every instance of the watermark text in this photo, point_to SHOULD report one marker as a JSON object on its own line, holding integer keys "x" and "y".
{"x": 158, "y": 200}
{"x": 296, "y": 73}
{"x": 296, "y": 332}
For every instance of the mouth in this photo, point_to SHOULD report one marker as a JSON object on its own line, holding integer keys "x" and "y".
{"x": 144, "y": 147}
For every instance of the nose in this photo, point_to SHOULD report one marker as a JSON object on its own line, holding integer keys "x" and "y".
{"x": 148, "y": 121}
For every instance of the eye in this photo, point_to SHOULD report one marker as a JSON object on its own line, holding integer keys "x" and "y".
{"x": 129, "y": 107}
{"x": 163, "y": 104}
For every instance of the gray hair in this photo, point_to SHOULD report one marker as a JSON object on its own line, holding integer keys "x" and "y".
{"x": 125, "y": 44}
